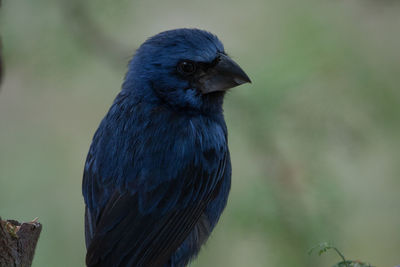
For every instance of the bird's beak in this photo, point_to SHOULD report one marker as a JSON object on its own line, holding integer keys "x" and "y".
{"x": 224, "y": 75}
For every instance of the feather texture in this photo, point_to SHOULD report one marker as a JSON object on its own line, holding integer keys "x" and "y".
{"x": 157, "y": 175}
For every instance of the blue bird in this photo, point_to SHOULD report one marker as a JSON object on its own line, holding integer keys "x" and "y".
{"x": 158, "y": 171}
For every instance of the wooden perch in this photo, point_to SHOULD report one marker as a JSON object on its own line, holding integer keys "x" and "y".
{"x": 18, "y": 242}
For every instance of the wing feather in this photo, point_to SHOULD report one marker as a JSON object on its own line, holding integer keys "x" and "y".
{"x": 140, "y": 239}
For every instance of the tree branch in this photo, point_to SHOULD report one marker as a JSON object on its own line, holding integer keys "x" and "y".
{"x": 18, "y": 242}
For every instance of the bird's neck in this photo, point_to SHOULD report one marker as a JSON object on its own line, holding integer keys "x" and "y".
{"x": 211, "y": 104}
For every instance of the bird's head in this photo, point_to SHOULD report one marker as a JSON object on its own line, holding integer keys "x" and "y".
{"x": 185, "y": 68}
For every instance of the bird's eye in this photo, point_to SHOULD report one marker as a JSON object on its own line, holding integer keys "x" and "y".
{"x": 186, "y": 67}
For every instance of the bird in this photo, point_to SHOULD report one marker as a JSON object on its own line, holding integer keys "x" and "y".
{"x": 158, "y": 171}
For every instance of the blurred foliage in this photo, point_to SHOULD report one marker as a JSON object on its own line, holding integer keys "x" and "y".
{"x": 324, "y": 247}
{"x": 314, "y": 140}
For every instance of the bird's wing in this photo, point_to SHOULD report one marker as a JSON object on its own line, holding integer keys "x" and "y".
{"x": 130, "y": 234}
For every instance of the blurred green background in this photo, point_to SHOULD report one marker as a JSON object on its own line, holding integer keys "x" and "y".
{"x": 314, "y": 140}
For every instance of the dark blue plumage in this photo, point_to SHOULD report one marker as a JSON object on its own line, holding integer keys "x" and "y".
{"x": 157, "y": 175}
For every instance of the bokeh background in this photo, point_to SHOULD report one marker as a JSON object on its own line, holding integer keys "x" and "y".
{"x": 314, "y": 140}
